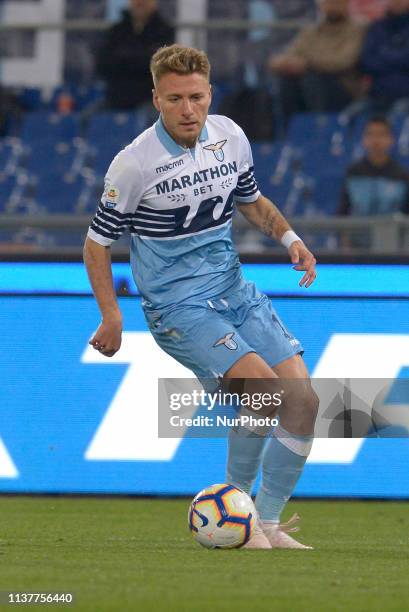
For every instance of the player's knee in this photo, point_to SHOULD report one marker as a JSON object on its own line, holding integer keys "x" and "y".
{"x": 312, "y": 403}
{"x": 300, "y": 408}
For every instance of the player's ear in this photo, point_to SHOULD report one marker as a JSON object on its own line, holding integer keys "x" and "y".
{"x": 155, "y": 100}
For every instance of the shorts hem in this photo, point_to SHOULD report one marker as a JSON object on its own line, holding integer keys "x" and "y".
{"x": 238, "y": 359}
{"x": 300, "y": 351}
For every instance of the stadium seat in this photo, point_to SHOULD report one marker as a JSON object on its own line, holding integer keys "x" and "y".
{"x": 108, "y": 133}
{"x": 43, "y": 126}
{"x": 58, "y": 194}
{"x": 83, "y": 96}
{"x": 57, "y": 156}
{"x": 54, "y": 175}
{"x": 18, "y": 197}
{"x": 316, "y": 160}
{"x": 319, "y": 127}
{"x": 6, "y": 153}
{"x": 326, "y": 193}
{"x": 275, "y": 167}
{"x": 31, "y": 98}
{"x": 7, "y": 185}
{"x": 11, "y": 151}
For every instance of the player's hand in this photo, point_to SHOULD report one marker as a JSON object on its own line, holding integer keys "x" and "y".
{"x": 288, "y": 65}
{"x": 304, "y": 260}
{"x": 107, "y": 339}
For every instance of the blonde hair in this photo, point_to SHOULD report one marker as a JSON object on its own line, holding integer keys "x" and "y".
{"x": 179, "y": 59}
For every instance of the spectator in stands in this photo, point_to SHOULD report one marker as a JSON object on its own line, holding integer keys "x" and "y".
{"x": 123, "y": 59}
{"x": 318, "y": 72}
{"x": 376, "y": 184}
{"x": 385, "y": 56}
{"x": 367, "y": 10}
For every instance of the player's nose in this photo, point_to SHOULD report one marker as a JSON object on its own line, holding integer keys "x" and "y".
{"x": 187, "y": 108}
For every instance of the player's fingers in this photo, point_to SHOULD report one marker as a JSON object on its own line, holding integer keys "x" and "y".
{"x": 312, "y": 271}
{"x": 110, "y": 353}
{"x": 105, "y": 350}
{"x": 304, "y": 279}
{"x": 109, "y": 347}
{"x": 308, "y": 278}
{"x": 308, "y": 261}
{"x": 97, "y": 339}
{"x": 99, "y": 344}
{"x": 95, "y": 344}
{"x": 106, "y": 341}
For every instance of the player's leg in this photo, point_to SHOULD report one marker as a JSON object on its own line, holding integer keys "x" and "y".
{"x": 245, "y": 447}
{"x": 259, "y": 325}
{"x": 203, "y": 340}
{"x": 287, "y": 449}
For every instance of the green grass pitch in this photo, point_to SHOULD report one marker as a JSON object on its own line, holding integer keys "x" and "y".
{"x": 137, "y": 554}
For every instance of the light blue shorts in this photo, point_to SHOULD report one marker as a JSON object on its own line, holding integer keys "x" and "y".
{"x": 209, "y": 338}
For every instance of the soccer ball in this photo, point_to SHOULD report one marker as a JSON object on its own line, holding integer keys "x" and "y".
{"x": 222, "y": 516}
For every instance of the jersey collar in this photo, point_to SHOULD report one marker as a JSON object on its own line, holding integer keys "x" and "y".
{"x": 170, "y": 145}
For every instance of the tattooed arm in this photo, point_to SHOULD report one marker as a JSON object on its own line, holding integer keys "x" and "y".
{"x": 267, "y": 218}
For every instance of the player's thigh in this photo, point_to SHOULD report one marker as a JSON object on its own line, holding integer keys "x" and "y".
{"x": 262, "y": 328}
{"x": 250, "y": 365}
{"x": 252, "y": 376}
{"x": 293, "y": 367}
{"x": 199, "y": 338}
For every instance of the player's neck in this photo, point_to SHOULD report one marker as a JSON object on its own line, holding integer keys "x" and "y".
{"x": 188, "y": 145}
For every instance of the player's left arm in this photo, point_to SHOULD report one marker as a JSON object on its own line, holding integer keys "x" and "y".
{"x": 267, "y": 218}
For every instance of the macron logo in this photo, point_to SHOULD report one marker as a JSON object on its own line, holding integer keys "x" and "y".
{"x": 169, "y": 166}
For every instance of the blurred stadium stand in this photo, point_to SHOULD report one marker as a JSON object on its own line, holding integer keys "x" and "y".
{"x": 56, "y": 152}
{"x": 54, "y": 164}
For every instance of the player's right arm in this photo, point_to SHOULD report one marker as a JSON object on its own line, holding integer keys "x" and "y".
{"x": 97, "y": 259}
{"x": 123, "y": 189}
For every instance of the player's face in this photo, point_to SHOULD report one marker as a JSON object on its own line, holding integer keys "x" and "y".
{"x": 334, "y": 9}
{"x": 378, "y": 139}
{"x": 183, "y": 100}
{"x": 141, "y": 9}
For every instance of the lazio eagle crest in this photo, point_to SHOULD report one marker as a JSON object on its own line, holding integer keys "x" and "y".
{"x": 227, "y": 341}
{"x": 217, "y": 149}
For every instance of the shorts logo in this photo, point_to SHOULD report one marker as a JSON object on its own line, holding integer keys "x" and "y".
{"x": 227, "y": 341}
{"x": 111, "y": 196}
{"x": 217, "y": 149}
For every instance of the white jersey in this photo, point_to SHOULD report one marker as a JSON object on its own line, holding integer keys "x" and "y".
{"x": 177, "y": 203}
